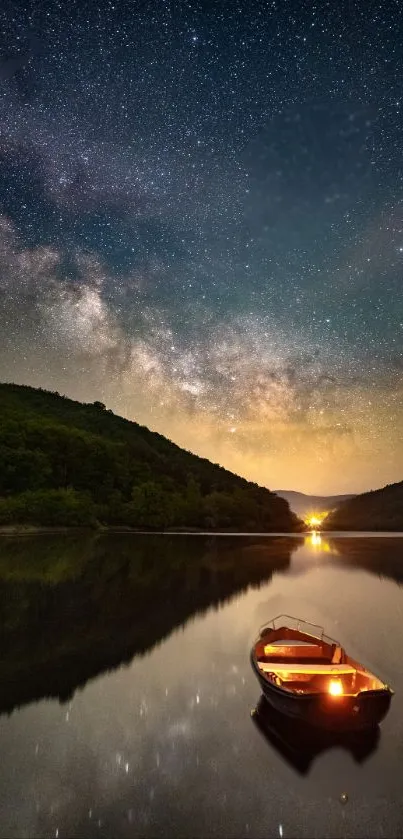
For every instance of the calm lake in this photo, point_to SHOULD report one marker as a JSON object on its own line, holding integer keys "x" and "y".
{"x": 126, "y": 689}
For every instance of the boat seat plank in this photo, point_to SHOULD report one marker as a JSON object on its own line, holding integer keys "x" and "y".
{"x": 309, "y": 669}
{"x": 294, "y": 650}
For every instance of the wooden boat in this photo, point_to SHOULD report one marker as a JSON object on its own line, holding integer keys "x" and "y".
{"x": 308, "y": 676}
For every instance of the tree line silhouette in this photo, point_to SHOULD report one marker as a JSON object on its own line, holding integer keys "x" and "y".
{"x": 64, "y": 463}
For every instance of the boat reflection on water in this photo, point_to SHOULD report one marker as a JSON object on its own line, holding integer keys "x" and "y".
{"x": 300, "y": 744}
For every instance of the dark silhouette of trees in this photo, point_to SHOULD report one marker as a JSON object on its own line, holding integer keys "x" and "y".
{"x": 67, "y": 463}
{"x": 381, "y": 509}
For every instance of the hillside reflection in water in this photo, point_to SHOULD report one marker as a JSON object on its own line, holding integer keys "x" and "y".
{"x": 124, "y": 665}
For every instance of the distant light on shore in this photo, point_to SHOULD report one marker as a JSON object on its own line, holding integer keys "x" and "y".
{"x": 314, "y": 520}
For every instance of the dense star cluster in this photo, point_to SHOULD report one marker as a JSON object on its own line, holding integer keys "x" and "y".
{"x": 201, "y": 224}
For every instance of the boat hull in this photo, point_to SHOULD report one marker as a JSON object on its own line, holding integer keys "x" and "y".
{"x": 300, "y": 744}
{"x": 347, "y": 713}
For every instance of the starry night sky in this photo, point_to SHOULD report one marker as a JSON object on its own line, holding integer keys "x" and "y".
{"x": 201, "y": 224}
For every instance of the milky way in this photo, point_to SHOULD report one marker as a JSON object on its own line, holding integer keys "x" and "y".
{"x": 201, "y": 224}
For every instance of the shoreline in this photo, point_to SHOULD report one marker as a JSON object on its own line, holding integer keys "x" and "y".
{"x": 36, "y": 530}
{"x": 42, "y": 530}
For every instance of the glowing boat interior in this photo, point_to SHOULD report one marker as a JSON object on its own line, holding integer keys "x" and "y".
{"x": 297, "y": 662}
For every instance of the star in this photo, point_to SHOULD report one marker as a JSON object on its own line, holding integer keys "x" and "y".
{"x": 211, "y": 236}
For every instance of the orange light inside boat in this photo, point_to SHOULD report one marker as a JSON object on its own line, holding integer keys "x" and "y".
{"x": 335, "y": 688}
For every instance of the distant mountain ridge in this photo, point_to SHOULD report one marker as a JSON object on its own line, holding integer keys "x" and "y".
{"x": 380, "y": 509}
{"x": 302, "y": 504}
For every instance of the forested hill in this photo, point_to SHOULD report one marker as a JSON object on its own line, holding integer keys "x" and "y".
{"x": 381, "y": 509}
{"x": 67, "y": 463}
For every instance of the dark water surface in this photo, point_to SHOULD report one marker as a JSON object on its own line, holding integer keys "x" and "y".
{"x": 126, "y": 688}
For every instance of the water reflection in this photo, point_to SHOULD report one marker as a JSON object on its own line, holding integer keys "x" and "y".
{"x": 157, "y": 632}
{"x": 299, "y": 745}
{"x": 315, "y": 541}
{"x": 380, "y": 555}
{"x": 319, "y": 543}
{"x": 72, "y": 609}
